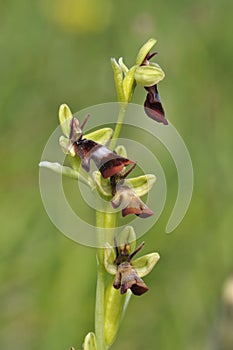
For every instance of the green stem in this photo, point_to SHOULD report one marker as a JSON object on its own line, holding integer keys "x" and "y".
{"x": 100, "y": 287}
{"x": 116, "y": 134}
{"x": 99, "y": 308}
{"x": 103, "y": 221}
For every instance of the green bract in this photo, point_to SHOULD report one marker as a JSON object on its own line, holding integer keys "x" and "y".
{"x": 124, "y": 68}
{"x": 129, "y": 83}
{"x": 118, "y": 77}
{"x": 113, "y": 312}
{"x": 124, "y": 79}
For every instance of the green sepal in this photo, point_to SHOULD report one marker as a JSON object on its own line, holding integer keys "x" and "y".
{"x": 102, "y": 136}
{"x": 127, "y": 235}
{"x": 145, "y": 263}
{"x": 113, "y": 312}
{"x": 144, "y": 51}
{"x": 65, "y": 116}
{"x": 109, "y": 259}
{"x": 149, "y": 75}
{"x": 118, "y": 77}
{"x": 121, "y": 151}
{"x": 103, "y": 185}
{"x": 90, "y": 342}
{"x": 141, "y": 184}
{"x": 67, "y": 171}
{"x": 129, "y": 83}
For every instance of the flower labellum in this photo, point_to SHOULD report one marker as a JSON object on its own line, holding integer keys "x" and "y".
{"x": 131, "y": 203}
{"x": 108, "y": 162}
{"x": 153, "y": 106}
{"x": 127, "y": 278}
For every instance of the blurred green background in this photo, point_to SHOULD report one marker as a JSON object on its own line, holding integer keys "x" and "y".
{"x": 58, "y": 51}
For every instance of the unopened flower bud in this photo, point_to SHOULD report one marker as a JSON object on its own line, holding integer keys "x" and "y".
{"x": 90, "y": 342}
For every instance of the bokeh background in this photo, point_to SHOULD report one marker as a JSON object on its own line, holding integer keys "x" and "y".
{"x": 58, "y": 51}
